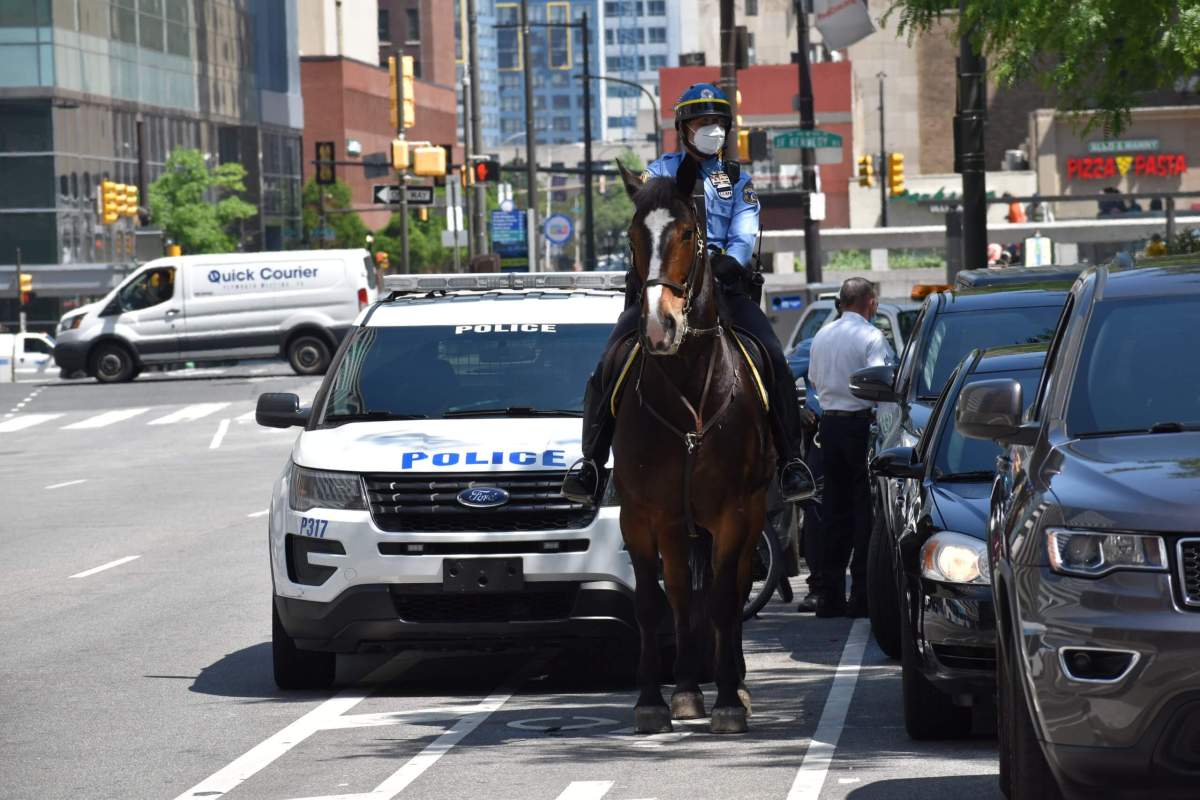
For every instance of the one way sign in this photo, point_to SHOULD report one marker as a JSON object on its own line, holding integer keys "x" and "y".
{"x": 389, "y": 194}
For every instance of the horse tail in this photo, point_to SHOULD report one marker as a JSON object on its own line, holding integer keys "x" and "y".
{"x": 700, "y": 546}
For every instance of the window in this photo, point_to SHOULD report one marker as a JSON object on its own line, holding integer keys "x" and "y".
{"x": 561, "y": 101}
{"x": 608, "y": 36}
{"x": 151, "y": 288}
{"x": 657, "y": 35}
{"x": 751, "y": 8}
{"x": 385, "y": 26}
{"x": 656, "y": 8}
{"x": 958, "y": 456}
{"x": 413, "y": 18}
{"x": 655, "y": 62}
{"x": 508, "y": 40}
{"x": 558, "y": 45}
{"x": 33, "y": 345}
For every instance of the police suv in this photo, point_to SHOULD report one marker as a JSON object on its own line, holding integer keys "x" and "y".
{"x": 420, "y": 506}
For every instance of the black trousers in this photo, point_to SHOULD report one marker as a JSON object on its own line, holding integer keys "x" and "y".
{"x": 846, "y": 504}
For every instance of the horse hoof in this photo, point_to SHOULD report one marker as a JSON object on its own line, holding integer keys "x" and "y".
{"x": 729, "y": 720}
{"x": 652, "y": 719}
{"x": 744, "y": 695}
{"x": 687, "y": 705}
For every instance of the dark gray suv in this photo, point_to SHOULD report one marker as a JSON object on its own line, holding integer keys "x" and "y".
{"x": 1094, "y": 541}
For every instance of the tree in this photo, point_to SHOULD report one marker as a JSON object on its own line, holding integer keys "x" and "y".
{"x": 181, "y": 202}
{"x": 1096, "y": 54}
{"x": 611, "y": 212}
{"x": 348, "y": 228}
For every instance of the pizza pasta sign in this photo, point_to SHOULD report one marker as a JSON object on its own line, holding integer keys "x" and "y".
{"x": 1095, "y": 168}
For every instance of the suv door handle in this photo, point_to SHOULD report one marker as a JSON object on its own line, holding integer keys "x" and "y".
{"x": 170, "y": 312}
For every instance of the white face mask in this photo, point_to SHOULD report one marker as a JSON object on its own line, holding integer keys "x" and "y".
{"x": 708, "y": 139}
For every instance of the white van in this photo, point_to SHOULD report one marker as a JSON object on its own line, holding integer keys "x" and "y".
{"x": 297, "y": 304}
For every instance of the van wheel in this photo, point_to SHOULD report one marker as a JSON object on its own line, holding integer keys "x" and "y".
{"x": 111, "y": 363}
{"x": 881, "y": 590}
{"x": 928, "y": 712}
{"x": 1029, "y": 775}
{"x": 308, "y": 354}
{"x": 295, "y": 668}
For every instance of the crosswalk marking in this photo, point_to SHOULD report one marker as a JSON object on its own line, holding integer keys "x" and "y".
{"x": 189, "y": 413}
{"x": 23, "y": 421}
{"x": 586, "y": 790}
{"x": 105, "y": 419}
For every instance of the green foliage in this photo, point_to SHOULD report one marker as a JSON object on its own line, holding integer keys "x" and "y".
{"x": 181, "y": 204}
{"x": 1185, "y": 242}
{"x": 1096, "y": 54}
{"x": 348, "y": 228}
{"x": 612, "y": 210}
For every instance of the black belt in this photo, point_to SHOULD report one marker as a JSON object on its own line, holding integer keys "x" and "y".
{"x": 864, "y": 413}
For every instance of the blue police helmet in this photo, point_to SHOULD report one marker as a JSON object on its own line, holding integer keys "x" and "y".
{"x": 702, "y": 100}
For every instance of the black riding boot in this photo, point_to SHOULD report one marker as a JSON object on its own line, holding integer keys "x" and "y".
{"x": 796, "y": 481}
{"x": 584, "y": 480}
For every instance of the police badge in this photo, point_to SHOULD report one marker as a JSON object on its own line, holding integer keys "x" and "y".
{"x": 721, "y": 183}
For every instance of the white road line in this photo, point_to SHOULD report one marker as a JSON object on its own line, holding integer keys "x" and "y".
{"x": 103, "y": 567}
{"x": 222, "y": 429}
{"x": 262, "y": 513}
{"x": 105, "y": 419}
{"x": 67, "y": 483}
{"x": 585, "y": 790}
{"x": 189, "y": 413}
{"x": 23, "y": 421}
{"x": 247, "y": 417}
{"x": 817, "y": 758}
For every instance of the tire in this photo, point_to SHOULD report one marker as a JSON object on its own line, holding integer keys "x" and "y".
{"x": 111, "y": 362}
{"x": 768, "y": 569}
{"x": 1029, "y": 775}
{"x": 295, "y": 668}
{"x": 881, "y": 591}
{"x": 308, "y": 354}
{"x": 928, "y": 712}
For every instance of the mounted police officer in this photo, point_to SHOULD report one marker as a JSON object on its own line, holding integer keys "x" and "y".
{"x": 731, "y": 212}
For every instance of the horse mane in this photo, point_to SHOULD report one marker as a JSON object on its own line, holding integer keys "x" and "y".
{"x": 659, "y": 192}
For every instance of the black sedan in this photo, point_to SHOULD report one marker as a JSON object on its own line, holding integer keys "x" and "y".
{"x": 942, "y": 491}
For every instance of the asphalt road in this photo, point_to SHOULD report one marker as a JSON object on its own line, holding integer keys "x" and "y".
{"x": 136, "y": 657}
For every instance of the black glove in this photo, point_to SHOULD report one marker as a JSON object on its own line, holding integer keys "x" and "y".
{"x": 728, "y": 270}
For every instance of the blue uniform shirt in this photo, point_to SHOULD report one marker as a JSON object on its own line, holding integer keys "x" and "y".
{"x": 731, "y": 209}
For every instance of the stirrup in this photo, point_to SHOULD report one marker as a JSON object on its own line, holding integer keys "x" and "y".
{"x": 576, "y": 489}
{"x": 796, "y": 482}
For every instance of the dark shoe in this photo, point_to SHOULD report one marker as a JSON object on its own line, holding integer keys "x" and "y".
{"x": 857, "y": 607}
{"x": 582, "y": 483}
{"x": 833, "y": 605}
{"x": 796, "y": 481}
{"x": 808, "y": 604}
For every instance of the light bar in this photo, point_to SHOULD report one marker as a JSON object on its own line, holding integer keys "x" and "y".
{"x": 494, "y": 281}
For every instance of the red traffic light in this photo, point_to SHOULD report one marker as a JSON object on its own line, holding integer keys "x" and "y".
{"x": 487, "y": 171}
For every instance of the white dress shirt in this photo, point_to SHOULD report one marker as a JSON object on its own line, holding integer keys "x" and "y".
{"x": 838, "y": 351}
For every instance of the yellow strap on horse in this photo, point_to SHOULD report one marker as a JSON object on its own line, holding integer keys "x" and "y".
{"x": 758, "y": 383}
{"x": 612, "y": 402}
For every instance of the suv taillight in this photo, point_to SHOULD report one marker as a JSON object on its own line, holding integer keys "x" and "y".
{"x": 362, "y": 299}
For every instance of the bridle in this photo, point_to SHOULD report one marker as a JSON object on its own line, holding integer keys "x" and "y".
{"x": 686, "y": 290}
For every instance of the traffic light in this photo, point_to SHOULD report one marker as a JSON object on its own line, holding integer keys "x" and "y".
{"x": 131, "y": 201}
{"x": 399, "y": 154}
{"x": 326, "y": 169}
{"x": 895, "y": 175}
{"x": 486, "y": 171}
{"x": 866, "y": 171}
{"x": 429, "y": 160}
{"x": 110, "y": 205}
{"x": 423, "y": 214}
{"x": 400, "y": 91}
{"x": 410, "y": 101}
{"x": 25, "y": 282}
{"x": 381, "y": 260}
{"x": 743, "y": 137}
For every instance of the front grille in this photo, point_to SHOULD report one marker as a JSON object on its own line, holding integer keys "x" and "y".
{"x": 526, "y": 606}
{"x": 1189, "y": 570}
{"x": 428, "y": 503}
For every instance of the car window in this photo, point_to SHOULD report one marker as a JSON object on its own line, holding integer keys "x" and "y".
{"x": 1052, "y": 356}
{"x": 149, "y": 289}
{"x": 884, "y": 324}
{"x": 958, "y": 455}
{"x": 432, "y": 370}
{"x": 811, "y": 324}
{"x": 37, "y": 346}
{"x": 1132, "y": 373}
{"x": 928, "y": 431}
{"x": 952, "y": 336}
{"x": 907, "y": 320}
{"x": 908, "y": 358}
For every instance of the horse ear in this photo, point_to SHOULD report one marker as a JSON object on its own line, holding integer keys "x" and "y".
{"x": 685, "y": 176}
{"x": 632, "y": 181}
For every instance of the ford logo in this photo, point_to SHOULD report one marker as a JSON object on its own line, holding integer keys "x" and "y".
{"x": 482, "y": 497}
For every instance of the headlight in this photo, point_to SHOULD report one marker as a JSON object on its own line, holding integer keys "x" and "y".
{"x": 1092, "y": 554}
{"x": 75, "y": 322}
{"x": 310, "y": 488}
{"x": 955, "y": 558}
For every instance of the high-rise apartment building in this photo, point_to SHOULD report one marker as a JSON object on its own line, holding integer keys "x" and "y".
{"x": 640, "y": 38}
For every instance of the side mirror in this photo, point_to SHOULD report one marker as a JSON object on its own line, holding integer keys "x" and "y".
{"x": 897, "y": 462}
{"x": 874, "y": 384}
{"x": 991, "y": 410}
{"x": 280, "y": 410}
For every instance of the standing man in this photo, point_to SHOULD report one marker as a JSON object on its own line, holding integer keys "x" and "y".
{"x": 838, "y": 351}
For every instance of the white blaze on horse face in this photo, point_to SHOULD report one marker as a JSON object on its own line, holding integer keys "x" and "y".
{"x": 656, "y": 222}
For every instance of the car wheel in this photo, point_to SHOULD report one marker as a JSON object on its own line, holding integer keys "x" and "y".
{"x": 111, "y": 363}
{"x": 308, "y": 354}
{"x": 881, "y": 591}
{"x": 1029, "y": 775}
{"x": 928, "y": 712}
{"x": 295, "y": 668}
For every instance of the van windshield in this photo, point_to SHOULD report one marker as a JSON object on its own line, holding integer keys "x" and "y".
{"x": 464, "y": 370}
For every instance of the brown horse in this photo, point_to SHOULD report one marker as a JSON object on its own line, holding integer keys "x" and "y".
{"x": 693, "y": 460}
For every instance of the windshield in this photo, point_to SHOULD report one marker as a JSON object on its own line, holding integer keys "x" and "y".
{"x": 954, "y": 335}
{"x": 958, "y": 455}
{"x": 811, "y": 324}
{"x": 1132, "y": 373}
{"x": 463, "y": 369}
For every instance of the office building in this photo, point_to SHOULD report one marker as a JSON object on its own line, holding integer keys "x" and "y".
{"x": 640, "y": 38}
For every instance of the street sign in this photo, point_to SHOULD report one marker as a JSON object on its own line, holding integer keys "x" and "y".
{"x": 508, "y": 234}
{"x": 389, "y": 194}
{"x": 798, "y": 138}
{"x": 507, "y": 205}
{"x": 558, "y": 229}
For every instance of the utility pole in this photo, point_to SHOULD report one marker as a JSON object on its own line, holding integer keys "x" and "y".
{"x": 468, "y": 196}
{"x": 883, "y": 159}
{"x": 813, "y": 268}
{"x": 589, "y": 253}
{"x": 479, "y": 204}
{"x": 402, "y": 177}
{"x": 728, "y": 80}
{"x": 530, "y": 142}
{"x": 969, "y": 127}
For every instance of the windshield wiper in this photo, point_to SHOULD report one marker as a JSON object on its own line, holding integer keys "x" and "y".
{"x": 513, "y": 411}
{"x": 966, "y": 477}
{"x": 1158, "y": 427}
{"x": 371, "y": 416}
